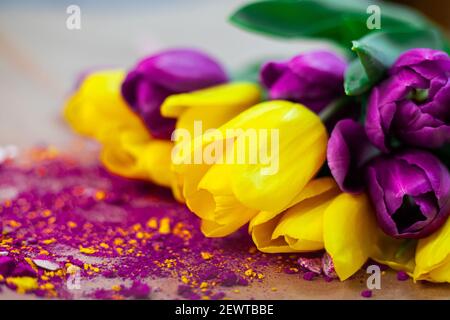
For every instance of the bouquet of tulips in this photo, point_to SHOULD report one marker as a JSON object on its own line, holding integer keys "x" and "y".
{"x": 361, "y": 145}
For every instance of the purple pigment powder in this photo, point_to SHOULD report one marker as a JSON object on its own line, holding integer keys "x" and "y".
{"x": 62, "y": 219}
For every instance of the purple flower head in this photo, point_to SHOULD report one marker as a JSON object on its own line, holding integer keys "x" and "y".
{"x": 314, "y": 79}
{"x": 158, "y": 76}
{"x": 411, "y": 193}
{"x": 348, "y": 152}
{"x": 413, "y": 104}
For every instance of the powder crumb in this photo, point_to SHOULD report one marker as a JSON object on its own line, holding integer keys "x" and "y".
{"x": 87, "y": 250}
{"x": 152, "y": 223}
{"x": 402, "y": 276}
{"x": 7, "y": 265}
{"x": 164, "y": 227}
{"x": 22, "y": 284}
{"x": 290, "y": 270}
{"x": 309, "y": 276}
{"x": 24, "y": 270}
{"x": 228, "y": 279}
{"x": 206, "y": 255}
{"x": 366, "y": 293}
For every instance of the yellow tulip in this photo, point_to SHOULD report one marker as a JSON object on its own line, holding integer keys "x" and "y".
{"x": 97, "y": 110}
{"x": 433, "y": 256}
{"x": 299, "y": 228}
{"x": 97, "y": 107}
{"x": 212, "y": 107}
{"x": 321, "y": 218}
{"x": 228, "y": 195}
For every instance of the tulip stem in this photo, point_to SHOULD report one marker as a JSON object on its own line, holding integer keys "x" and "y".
{"x": 330, "y": 110}
{"x": 406, "y": 245}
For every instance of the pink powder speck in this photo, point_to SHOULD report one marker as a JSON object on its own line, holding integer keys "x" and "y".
{"x": 402, "y": 276}
{"x": 366, "y": 293}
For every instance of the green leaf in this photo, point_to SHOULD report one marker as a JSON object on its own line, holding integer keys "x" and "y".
{"x": 356, "y": 80}
{"x": 339, "y": 21}
{"x": 380, "y": 50}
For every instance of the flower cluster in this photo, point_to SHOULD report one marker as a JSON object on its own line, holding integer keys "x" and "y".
{"x": 369, "y": 189}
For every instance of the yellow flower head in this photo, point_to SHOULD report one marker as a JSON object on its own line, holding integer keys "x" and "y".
{"x": 227, "y": 194}
{"x": 211, "y": 107}
{"x": 97, "y": 110}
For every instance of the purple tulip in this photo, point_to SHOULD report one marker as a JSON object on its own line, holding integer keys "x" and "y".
{"x": 413, "y": 104}
{"x": 156, "y": 77}
{"x": 314, "y": 79}
{"x": 411, "y": 193}
{"x": 348, "y": 152}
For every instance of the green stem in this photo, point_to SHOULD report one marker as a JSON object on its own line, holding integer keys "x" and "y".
{"x": 334, "y": 107}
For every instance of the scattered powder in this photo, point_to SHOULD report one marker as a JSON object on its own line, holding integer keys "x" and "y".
{"x": 68, "y": 218}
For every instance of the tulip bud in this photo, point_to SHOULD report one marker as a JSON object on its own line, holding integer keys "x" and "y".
{"x": 161, "y": 75}
{"x": 412, "y": 105}
{"x": 314, "y": 79}
{"x": 411, "y": 193}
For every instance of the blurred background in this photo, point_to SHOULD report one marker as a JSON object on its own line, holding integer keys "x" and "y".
{"x": 40, "y": 58}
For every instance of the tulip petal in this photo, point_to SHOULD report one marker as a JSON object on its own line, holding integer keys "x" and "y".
{"x": 133, "y": 154}
{"x": 311, "y": 78}
{"x": 232, "y": 95}
{"x": 298, "y": 228}
{"x": 348, "y": 152}
{"x": 218, "y": 206}
{"x": 349, "y": 232}
{"x": 182, "y": 70}
{"x": 97, "y": 107}
{"x": 411, "y": 192}
{"x": 168, "y": 72}
{"x": 301, "y": 152}
{"x": 261, "y": 235}
{"x": 433, "y": 256}
{"x": 213, "y": 107}
{"x": 320, "y": 66}
{"x": 302, "y": 225}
